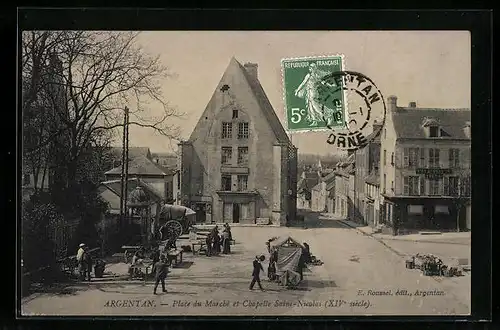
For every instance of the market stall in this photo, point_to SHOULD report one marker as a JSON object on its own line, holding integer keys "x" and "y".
{"x": 286, "y": 253}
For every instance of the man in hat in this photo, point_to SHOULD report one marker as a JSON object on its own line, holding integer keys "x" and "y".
{"x": 161, "y": 269}
{"x": 257, "y": 267}
{"x": 79, "y": 258}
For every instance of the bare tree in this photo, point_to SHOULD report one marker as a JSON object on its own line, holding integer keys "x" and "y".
{"x": 85, "y": 79}
{"x": 459, "y": 187}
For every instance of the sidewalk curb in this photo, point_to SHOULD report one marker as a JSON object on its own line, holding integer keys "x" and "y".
{"x": 399, "y": 254}
{"x": 417, "y": 241}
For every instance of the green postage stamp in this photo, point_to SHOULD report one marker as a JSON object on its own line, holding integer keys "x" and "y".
{"x": 311, "y": 102}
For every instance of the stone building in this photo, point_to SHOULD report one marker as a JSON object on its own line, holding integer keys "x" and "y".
{"x": 367, "y": 163}
{"x": 425, "y": 167}
{"x": 344, "y": 175}
{"x": 308, "y": 180}
{"x": 239, "y": 165}
{"x": 163, "y": 180}
{"x": 320, "y": 192}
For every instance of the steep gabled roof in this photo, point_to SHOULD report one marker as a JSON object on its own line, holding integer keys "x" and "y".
{"x": 309, "y": 182}
{"x": 329, "y": 178}
{"x": 237, "y": 73}
{"x": 330, "y": 185}
{"x": 317, "y": 187}
{"x": 266, "y": 107}
{"x": 408, "y": 122}
{"x": 140, "y": 165}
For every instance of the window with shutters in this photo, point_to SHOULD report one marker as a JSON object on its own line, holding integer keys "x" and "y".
{"x": 465, "y": 186}
{"x": 411, "y": 186}
{"x": 422, "y": 186}
{"x": 392, "y": 159}
{"x": 227, "y": 130}
{"x": 434, "y": 187}
{"x": 242, "y": 156}
{"x": 242, "y": 182}
{"x": 454, "y": 158}
{"x": 434, "y": 158}
{"x": 450, "y": 186}
{"x": 226, "y": 155}
{"x": 422, "y": 158}
{"x": 411, "y": 157}
{"x": 384, "y": 157}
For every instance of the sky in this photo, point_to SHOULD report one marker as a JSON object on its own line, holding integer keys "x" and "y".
{"x": 431, "y": 68}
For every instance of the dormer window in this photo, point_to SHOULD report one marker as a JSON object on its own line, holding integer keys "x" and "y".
{"x": 467, "y": 129}
{"x": 431, "y": 127}
{"x": 433, "y": 131}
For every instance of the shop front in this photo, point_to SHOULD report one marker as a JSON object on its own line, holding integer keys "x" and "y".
{"x": 423, "y": 213}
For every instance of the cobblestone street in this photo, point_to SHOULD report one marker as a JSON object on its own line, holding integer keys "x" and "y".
{"x": 360, "y": 276}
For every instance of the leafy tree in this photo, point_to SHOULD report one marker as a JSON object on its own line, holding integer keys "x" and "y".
{"x": 39, "y": 220}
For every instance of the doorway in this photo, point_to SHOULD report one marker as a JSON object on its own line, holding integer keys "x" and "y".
{"x": 201, "y": 213}
{"x": 236, "y": 213}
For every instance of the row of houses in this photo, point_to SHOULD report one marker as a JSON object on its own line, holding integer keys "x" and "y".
{"x": 413, "y": 175}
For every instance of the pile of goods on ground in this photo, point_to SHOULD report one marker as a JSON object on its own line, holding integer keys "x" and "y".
{"x": 431, "y": 265}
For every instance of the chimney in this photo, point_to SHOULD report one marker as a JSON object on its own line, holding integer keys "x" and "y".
{"x": 412, "y": 105}
{"x": 252, "y": 69}
{"x": 392, "y": 103}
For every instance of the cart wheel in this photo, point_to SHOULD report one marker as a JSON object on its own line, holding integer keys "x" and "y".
{"x": 174, "y": 228}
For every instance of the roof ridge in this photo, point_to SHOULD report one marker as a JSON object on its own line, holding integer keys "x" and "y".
{"x": 434, "y": 109}
{"x": 265, "y": 106}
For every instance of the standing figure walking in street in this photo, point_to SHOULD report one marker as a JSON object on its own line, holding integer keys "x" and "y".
{"x": 208, "y": 243}
{"x": 79, "y": 259}
{"x": 257, "y": 267}
{"x": 88, "y": 263}
{"x": 226, "y": 243}
{"x": 161, "y": 273}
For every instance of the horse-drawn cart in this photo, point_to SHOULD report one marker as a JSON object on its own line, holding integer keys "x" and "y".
{"x": 175, "y": 220}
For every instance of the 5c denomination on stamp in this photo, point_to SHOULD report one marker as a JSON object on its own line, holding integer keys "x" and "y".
{"x": 311, "y": 102}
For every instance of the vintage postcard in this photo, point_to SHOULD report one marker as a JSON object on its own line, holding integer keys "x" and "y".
{"x": 245, "y": 173}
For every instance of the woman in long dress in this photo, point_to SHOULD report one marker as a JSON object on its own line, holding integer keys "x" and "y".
{"x": 308, "y": 91}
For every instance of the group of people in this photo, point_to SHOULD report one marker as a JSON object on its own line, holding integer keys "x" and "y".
{"x": 85, "y": 262}
{"x": 159, "y": 262}
{"x": 217, "y": 243}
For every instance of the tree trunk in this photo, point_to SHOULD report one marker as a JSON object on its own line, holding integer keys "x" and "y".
{"x": 459, "y": 208}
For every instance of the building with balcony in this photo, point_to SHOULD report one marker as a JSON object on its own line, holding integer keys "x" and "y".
{"x": 425, "y": 167}
{"x": 239, "y": 165}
